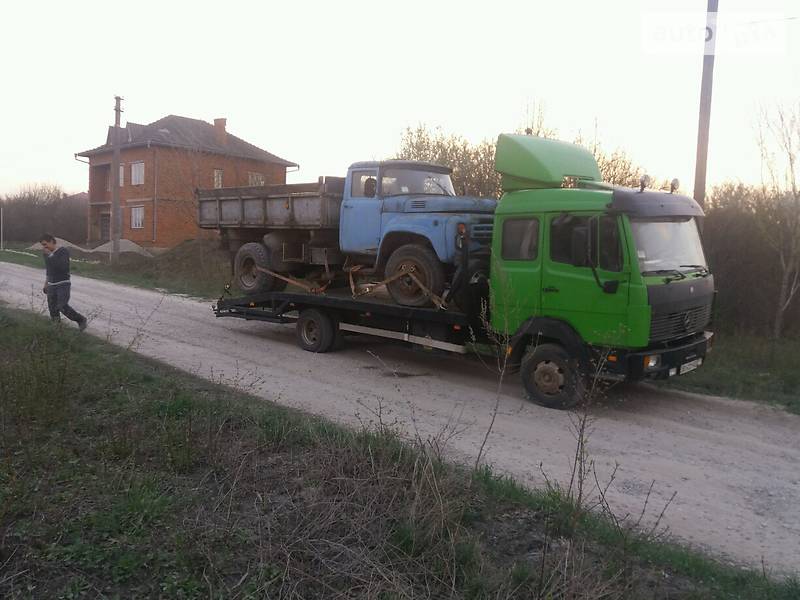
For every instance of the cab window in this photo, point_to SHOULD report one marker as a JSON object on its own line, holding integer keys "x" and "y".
{"x": 600, "y": 233}
{"x": 610, "y": 244}
{"x": 363, "y": 184}
{"x": 520, "y": 239}
{"x": 562, "y": 230}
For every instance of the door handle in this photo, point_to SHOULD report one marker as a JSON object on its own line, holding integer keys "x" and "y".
{"x": 549, "y": 289}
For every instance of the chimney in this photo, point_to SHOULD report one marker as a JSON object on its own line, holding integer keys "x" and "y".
{"x": 219, "y": 132}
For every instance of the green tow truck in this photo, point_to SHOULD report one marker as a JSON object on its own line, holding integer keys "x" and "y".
{"x": 583, "y": 279}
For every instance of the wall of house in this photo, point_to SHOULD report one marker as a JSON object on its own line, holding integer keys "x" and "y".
{"x": 171, "y": 176}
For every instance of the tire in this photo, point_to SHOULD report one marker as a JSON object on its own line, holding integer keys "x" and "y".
{"x": 427, "y": 268}
{"x": 552, "y": 378}
{"x": 316, "y": 331}
{"x": 249, "y": 279}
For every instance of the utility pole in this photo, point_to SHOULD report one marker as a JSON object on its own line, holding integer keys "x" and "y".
{"x": 116, "y": 213}
{"x": 2, "y": 236}
{"x": 705, "y": 103}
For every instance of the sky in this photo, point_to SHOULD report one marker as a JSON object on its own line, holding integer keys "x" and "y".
{"x": 326, "y": 83}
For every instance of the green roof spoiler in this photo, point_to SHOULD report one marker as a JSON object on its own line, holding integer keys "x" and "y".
{"x": 526, "y": 161}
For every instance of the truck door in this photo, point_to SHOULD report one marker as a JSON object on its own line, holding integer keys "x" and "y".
{"x": 571, "y": 292}
{"x": 516, "y": 272}
{"x": 360, "y": 227}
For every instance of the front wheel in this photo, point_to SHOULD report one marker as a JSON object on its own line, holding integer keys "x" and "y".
{"x": 552, "y": 378}
{"x": 423, "y": 262}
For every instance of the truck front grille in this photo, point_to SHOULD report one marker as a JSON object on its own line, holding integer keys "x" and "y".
{"x": 669, "y": 326}
{"x": 481, "y": 232}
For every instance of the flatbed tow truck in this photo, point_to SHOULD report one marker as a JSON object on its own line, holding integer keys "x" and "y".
{"x": 583, "y": 279}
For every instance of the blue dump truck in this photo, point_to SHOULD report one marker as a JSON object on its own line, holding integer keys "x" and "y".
{"x": 396, "y": 221}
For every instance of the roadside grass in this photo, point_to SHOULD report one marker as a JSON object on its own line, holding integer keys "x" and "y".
{"x": 750, "y": 367}
{"x": 122, "y": 477}
{"x": 197, "y": 268}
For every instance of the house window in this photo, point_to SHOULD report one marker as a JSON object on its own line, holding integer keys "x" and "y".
{"x": 137, "y": 173}
{"x": 137, "y": 217}
{"x": 217, "y": 178}
{"x": 256, "y": 178}
{"x": 121, "y": 175}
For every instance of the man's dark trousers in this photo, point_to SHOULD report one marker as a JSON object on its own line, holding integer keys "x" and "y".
{"x": 58, "y": 303}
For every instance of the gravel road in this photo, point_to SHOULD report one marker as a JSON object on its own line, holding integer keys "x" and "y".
{"x": 734, "y": 465}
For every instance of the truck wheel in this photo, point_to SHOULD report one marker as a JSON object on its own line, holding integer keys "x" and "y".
{"x": 427, "y": 268}
{"x": 249, "y": 279}
{"x": 552, "y": 378}
{"x": 316, "y": 331}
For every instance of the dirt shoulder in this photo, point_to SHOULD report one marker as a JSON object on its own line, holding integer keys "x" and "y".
{"x": 733, "y": 464}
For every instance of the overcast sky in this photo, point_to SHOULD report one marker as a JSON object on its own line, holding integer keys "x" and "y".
{"x": 325, "y": 84}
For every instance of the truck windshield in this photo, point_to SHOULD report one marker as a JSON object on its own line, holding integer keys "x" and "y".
{"x": 395, "y": 182}
{"x": 666, "y": 245}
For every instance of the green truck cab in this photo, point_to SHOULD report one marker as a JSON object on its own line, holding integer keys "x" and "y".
{"x": 588, "y": 278}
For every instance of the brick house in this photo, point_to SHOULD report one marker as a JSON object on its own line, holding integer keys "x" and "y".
{"x": 161, "y": 164}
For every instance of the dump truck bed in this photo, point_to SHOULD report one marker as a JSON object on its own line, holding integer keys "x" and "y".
{"x": 281, "y": 206}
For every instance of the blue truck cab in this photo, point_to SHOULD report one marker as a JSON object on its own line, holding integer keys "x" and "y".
{"x": 398, "y": 213}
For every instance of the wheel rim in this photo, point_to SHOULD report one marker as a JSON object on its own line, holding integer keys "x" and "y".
{"x": 549, "y": 377}
{"x": 406, "y": 285}
{"x": 248, "y": 273}
{"x": 310, "y": 332}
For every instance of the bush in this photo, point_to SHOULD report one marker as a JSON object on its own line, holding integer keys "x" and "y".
{"x": 39, "y": 208}
{"x": 745, "y": 263}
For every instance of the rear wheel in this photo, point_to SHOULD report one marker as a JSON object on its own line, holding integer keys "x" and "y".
{"x": 250, "y": 258}
{"x": 316, "y": 331}
{"x": 552, "y": 378}
{"x": 423, "y": 262}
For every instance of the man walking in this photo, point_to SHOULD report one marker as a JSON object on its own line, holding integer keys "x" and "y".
{"x": 57, "y": 285}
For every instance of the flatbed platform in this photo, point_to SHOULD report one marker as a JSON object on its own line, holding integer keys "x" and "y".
{"x": 435, "y": 328}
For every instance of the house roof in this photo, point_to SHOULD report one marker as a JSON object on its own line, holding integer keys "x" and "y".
{"x": 174, "y": 131}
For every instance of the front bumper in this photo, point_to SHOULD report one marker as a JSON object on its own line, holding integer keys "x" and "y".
{"x": 673, "y": 360}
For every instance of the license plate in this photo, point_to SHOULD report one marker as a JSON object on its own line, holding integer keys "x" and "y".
{"x": 691, "y": 365}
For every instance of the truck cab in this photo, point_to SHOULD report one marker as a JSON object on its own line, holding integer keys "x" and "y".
{"x": 399, "y": 214}
{"x": 613, "y": 277}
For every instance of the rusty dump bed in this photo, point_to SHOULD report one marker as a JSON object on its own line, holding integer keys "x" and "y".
{"x": 281, "y": 206}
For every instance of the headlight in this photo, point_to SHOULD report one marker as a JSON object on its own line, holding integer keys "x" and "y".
{"x": 652, "y": 362}
{"x": 461, "y": 235}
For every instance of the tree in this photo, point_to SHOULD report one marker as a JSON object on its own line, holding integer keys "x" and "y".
{"x": 472, "y": 164}
{"x": 778, "y": 210}
{"x": 730, "y": 219}
{"x": 38, "y": 208}
{"x": 535, "y": 123}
